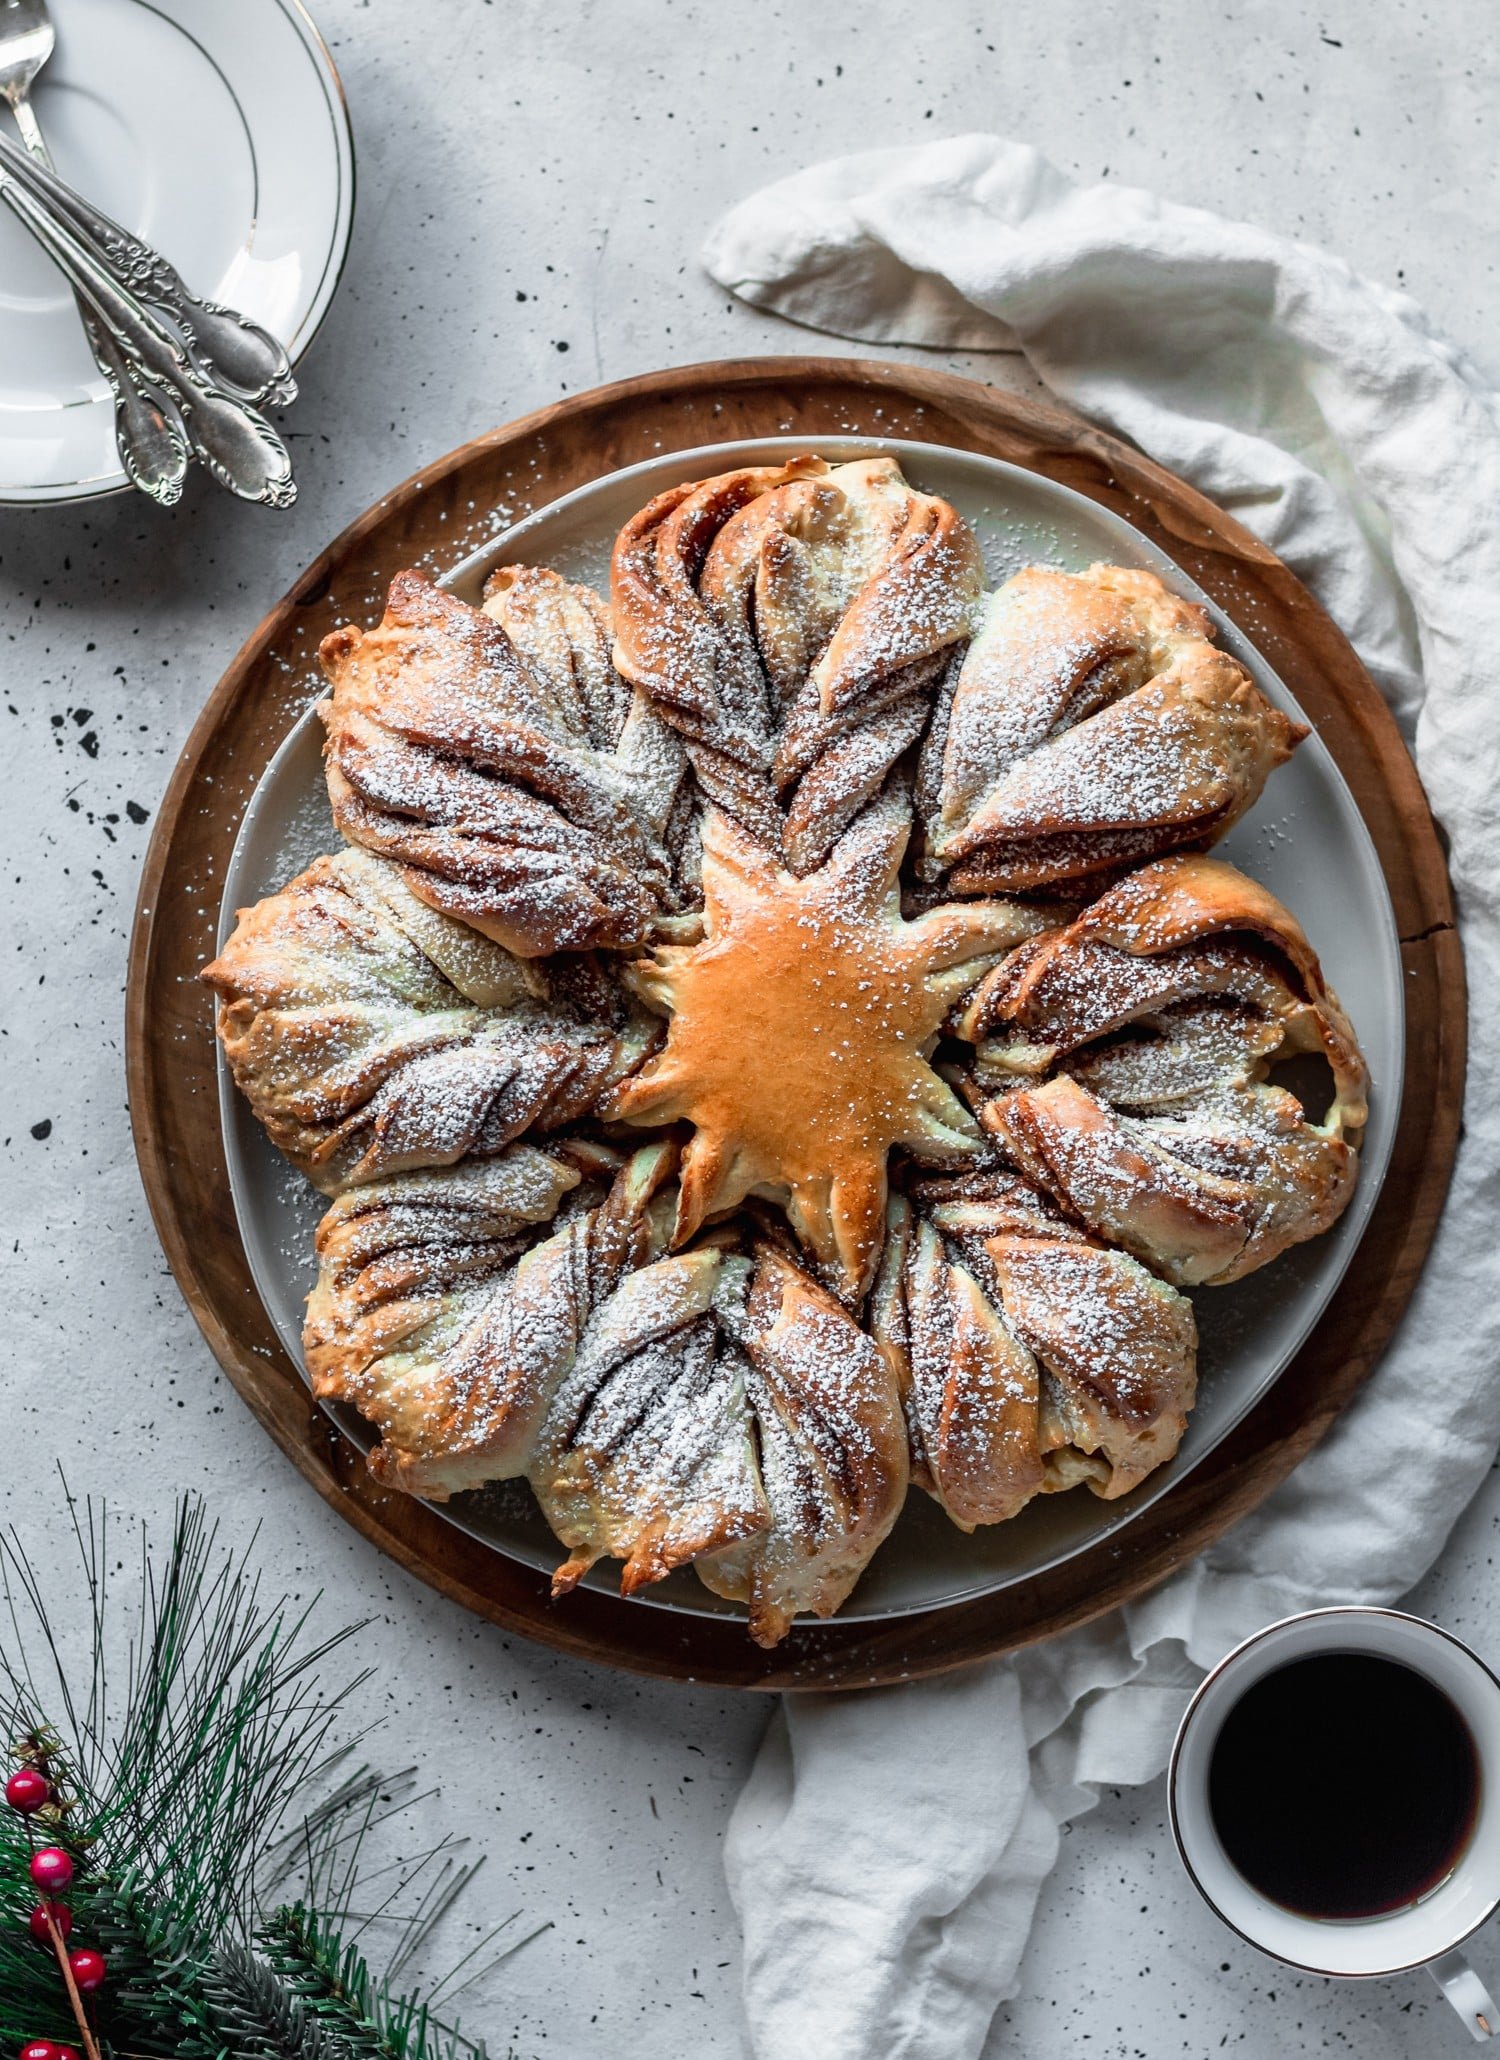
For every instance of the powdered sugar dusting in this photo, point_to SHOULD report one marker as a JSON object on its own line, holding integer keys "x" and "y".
{"x": 655, "y": 860}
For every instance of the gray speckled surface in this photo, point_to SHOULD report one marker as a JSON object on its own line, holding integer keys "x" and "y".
{"x": 534, "y": 181}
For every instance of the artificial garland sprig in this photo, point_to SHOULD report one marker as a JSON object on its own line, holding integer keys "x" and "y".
{"x": 146, "y": 1909}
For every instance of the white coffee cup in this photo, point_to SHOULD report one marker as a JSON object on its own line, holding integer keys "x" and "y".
{"x": 1424, "y": 1933}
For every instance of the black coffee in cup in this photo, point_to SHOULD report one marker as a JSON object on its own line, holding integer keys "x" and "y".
{"x": 1344, "y": 1785}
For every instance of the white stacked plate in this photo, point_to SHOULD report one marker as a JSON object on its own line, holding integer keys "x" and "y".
{"x": 215, "y": 129}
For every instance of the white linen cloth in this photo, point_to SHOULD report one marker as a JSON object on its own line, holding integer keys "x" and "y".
{"x": 887, "y": 1853}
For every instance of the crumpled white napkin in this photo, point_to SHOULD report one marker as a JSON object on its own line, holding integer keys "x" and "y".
{"x": 887, "y": 1853}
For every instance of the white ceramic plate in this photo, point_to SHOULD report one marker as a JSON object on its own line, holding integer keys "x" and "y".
{"x": 217, "y": 130}
{"x": 1306, "y": 841}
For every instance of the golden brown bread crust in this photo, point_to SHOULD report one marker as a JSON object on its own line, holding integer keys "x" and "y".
{"x": 797, "y": 1032}
{"x": 419, "y": 1320}
{"x": 713, "y": 1407}
{"x": 1029, "y": 1356}
{"x": 790, "y": 622}
{"x": 1152, "y": 1023}
{"x": 449, "y": 754}
{"x": 372, "y": 1034}
{"x": 833, "y": 1452}
{"x": 561, "y": 633}
{"x": 1092, "y": 725}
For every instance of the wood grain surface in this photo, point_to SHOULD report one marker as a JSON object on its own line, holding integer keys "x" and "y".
{"x": 433, "y": 520}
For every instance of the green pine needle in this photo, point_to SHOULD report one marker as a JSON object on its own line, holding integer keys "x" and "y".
{"x": 182, "y": 1775}
{"x": 331, "y": 1979}
{"x": 32, "y": 2002}
{"x": 262, "y": 2019}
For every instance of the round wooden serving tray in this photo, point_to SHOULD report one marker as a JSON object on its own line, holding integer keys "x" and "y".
{"x": 434, "y": 520}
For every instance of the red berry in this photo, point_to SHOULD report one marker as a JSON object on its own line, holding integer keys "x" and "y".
{"x": 88, "y": 1969}
{"x": 27, "y": 1790}
{"x": 62, "y": 1917}
{"x": 48, "y": 2049}
{"x": 51, "y": 1868}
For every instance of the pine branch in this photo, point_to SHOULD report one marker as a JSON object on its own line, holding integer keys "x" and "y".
{"x": 222, "y": 1721}
{"x": 260, "y": 2017}
{"x": 172, "y": 1794}
{"x": 332, "y": 1981}
{"x": 331, "y": 1978}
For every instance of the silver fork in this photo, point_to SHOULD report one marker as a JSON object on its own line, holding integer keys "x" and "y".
{"x": 148, "y": 434}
